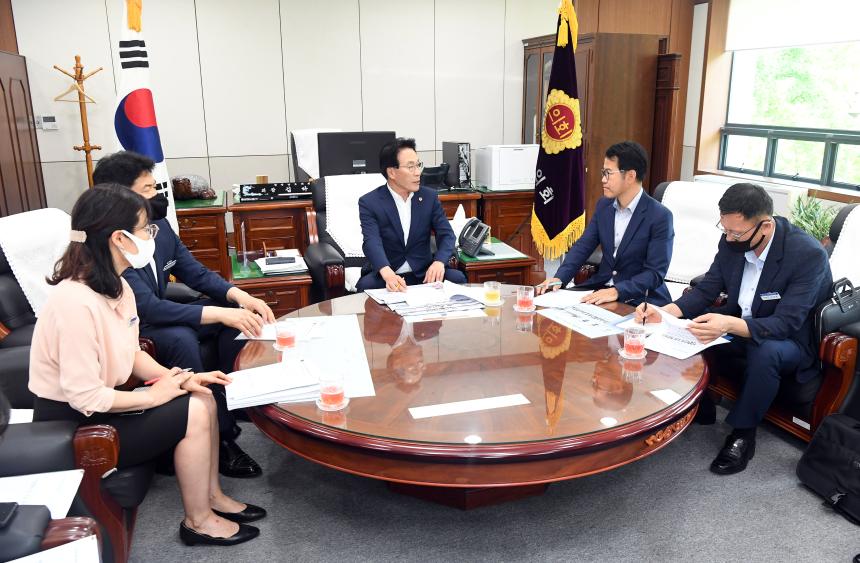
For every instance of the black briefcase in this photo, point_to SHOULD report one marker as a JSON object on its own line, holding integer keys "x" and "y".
{"x": 830, "y": 466}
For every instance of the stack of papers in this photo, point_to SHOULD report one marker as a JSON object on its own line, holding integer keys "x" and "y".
{"x": 291, "y": 268}
{"x": 306, "y": 328}
{"x": 296, "y": 378}
{"x": 290, "y": 381}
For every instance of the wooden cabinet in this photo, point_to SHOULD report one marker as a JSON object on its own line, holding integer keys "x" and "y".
{"x": 277, "y": 224}
{"x": 513, "y": 272}
{"x": 451, "y": 200}
{"x": 21, "y": 184}
{"x": 284, "y": 294}
{"x": 509, "y": 216}
{"x": 203, "y": 232}
{"x": 616, "y": 77}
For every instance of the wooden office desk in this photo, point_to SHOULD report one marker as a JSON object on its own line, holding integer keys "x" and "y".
{"x": 203, "y": 231}
{"x": 278, "y": 224}
{"x": 514, "y": 271}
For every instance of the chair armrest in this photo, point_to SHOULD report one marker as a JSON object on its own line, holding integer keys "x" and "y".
{"x": 23, "y": 535}
{"x": 325, "y": 265}
{"x": 65, "y": 530}
{"x": 838, "y": 355}
{"x": 37, "y": 447}
{"x": 97, "y": 453}
{"x": 181, "y": 293}
{"x": 589, "y": 268}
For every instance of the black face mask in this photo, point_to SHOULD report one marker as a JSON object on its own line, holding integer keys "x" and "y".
{"x": 158, "y": 207}
{"x": 741, "y": 246}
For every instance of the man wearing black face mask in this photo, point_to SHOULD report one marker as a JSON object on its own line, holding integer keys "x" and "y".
{"x": 774, "y": 275}
{"x": 178, "y": 328}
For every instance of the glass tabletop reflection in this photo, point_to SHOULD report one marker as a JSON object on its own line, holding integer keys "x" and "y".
{"x": 574, "y": 386}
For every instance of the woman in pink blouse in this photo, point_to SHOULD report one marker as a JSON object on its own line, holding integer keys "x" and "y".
{"x": 86, "y": 343}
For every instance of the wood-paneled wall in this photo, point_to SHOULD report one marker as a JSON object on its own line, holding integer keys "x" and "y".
{"x": 668, "y": 18}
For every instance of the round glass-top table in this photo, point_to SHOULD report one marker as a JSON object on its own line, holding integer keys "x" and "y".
{"x": 588, "y": 410}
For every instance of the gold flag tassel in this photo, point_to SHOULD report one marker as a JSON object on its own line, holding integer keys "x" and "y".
{"x": 134, "y": 9}
{"x": 556, "y": 247}
{"x": 569, "y": 25}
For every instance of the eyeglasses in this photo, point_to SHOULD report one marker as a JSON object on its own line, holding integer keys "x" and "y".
{"x": 412, "y": 166}
{"x": 606, "y": 172}
{"x": 739, "y": 236}
{"x": 151, "y": 230}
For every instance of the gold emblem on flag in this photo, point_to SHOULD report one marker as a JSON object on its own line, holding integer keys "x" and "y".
{"x": 561, "y": 124}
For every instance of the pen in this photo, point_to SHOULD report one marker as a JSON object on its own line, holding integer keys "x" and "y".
{"x": 645, "y": 308}
{"x": 552, "y": 283}
{"x": 153, "y": 381}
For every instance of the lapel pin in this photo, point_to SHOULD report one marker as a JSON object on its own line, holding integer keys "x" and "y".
{"x": 420, "y": 199}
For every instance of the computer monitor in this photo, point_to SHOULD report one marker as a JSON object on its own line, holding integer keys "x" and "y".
{"x": 355, "y": 152}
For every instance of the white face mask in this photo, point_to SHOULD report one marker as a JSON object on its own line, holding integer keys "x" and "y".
{"x": 145, "y": 251}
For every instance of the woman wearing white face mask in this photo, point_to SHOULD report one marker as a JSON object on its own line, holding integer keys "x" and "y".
{"x": 85, "y": 343}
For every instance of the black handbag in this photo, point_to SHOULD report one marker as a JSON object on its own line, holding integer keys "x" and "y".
{"x": 830, "y": 466}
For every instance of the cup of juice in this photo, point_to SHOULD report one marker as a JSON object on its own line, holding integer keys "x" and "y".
{"x": 493, "y": 292}
{"x": 525, "y": 299}
{"x": 634, "y": 342}
{"x": 285, "y": 337}
{"x": 332, "y": 397}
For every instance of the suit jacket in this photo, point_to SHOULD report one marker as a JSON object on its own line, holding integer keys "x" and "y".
{"x": 383, "y": 233}
{"x": 642, "y": 258}
{"x": 171, "y": 257}
{"x": 796, "y": 268}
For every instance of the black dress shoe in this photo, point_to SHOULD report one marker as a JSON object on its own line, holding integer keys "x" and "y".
{"x": 234, "y": 462}
{"x": 250, "y": 514}
{"x": 191, "y": 537}
{"x": 734, "y": 456}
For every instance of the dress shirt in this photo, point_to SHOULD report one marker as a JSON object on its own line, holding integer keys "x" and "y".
{"x": 752, "y": 272}
{"x": 622, "y": 220}
{"x": 404, "y": 210}
{"x": 84, "y": 345}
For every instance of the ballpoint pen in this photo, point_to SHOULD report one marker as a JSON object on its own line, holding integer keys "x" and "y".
{"x": 153, "y": 381}
{"x": 552, "y": 283}
{"x": 645, "y": 308}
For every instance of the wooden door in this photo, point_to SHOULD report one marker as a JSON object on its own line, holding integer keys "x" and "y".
{"x": 21, "y": 184}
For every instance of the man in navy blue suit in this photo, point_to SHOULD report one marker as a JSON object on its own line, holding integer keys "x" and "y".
{"x": 397, "y": 220}
{"x": 178, "y": 328}
{"x": 634, "y": 231}
{"x": 774, "y": 275}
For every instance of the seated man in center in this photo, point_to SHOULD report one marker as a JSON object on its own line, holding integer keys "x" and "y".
{"x": 397, "y": 220}
{"x": 633, "y": 229}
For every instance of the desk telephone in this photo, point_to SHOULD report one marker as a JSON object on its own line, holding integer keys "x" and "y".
{"x": 472, "y": 238}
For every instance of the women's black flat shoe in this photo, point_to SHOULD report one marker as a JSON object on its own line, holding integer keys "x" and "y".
{"x": 251, "y": 513}
{"x": 191, "y": 537}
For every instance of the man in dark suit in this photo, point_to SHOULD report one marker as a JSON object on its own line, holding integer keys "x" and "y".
{"x": 178, "y": 328}
{"x": 774, "y": 275}
{"x": 397, "y": 220}
{"x": 633, "y": 229}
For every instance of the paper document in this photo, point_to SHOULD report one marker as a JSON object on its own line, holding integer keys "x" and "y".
{"x": 306, "y": 328}
{"x": 561, "y": 298}
{"x": 84, "y": 550}
{"x": 56, "y": 490}
{"x": 273, "y": 383}
{"x": 20, "y": 416}
{"x": 678, "y": 342}
{"x": 473, "y": 405}
{"x": 385, "y": 297}
{"x": 668, "y": 396}
{"x": 588, "y": 320}
{"x": 443, "y": 316}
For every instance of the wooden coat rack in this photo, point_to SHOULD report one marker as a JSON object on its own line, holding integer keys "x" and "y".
{"x": 82, "y": 100}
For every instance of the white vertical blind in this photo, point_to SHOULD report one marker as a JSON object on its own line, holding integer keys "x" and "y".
{"x": 758, "y": 24}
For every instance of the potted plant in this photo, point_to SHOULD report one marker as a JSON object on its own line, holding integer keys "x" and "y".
{"x": 811, "y": 215}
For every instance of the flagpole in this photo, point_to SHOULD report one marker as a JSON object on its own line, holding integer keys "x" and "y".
{"x": 79, "y": 78}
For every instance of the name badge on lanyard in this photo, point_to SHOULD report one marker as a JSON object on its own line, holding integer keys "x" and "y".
{"x": 770, "y": 296}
